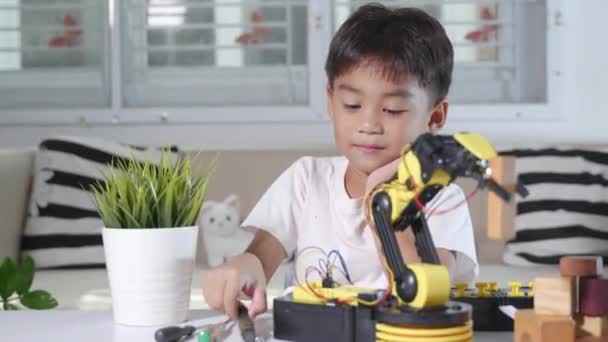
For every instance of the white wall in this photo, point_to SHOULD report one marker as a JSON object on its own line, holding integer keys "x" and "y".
{"x": 585, "y": 118}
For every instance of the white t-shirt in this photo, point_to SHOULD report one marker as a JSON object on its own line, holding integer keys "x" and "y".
{"x": 307, "y": 205}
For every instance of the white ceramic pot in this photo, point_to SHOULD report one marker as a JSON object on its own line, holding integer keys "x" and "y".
{"x": 150, "y": 273}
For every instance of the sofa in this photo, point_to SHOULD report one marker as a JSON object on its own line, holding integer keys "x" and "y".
{"x": 246, "y": 173}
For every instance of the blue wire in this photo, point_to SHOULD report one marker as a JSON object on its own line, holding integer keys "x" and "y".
{"x": 336, "y": 252}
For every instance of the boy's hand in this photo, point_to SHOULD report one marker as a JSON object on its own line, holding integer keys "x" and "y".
{"x": 240, "y": 277}
{"x": 382, "y": 175}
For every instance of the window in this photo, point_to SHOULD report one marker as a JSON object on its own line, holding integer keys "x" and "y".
{"x": 52, "y": 53}
{"x": 185, "y": 53}
{"x": 254, "y": 60}
{"x": 499, "y": 46}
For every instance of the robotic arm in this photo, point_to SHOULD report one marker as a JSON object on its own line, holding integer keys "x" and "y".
{"x": 416, "y": 304}
{"x": 428, "y": 165}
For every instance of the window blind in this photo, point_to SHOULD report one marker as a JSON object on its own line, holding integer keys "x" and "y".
{"x": 223, "y": 52}
{"x": 52, "y": 53}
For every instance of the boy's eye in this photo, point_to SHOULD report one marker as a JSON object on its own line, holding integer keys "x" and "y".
{"x": 394, "y": 111}
{"x": 351, "y": 106}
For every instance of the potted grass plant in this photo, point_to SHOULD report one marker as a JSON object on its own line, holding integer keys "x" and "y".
{"x": 149, "y": 210}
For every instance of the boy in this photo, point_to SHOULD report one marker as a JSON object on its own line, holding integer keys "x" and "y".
{"x": 388, "y": 72}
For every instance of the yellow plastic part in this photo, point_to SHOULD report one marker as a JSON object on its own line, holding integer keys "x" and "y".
{"x": 515, "y": 289}
{"x": 390, "y": 338}
{"x": 433, "y": 285}
{"x": 475, "y": 143}
{"x": 398, "y": 334}
{"x": 461, "y": 289}
{"x": 531, "y": 286}
{"x": 482, "y": 289}
{"x": 409, "y": 170}
{"x": 433, "y": 289}
{"x": 346, "y": 293}
{"x": 409, "y": 331}
{"x": 409, "y": 167}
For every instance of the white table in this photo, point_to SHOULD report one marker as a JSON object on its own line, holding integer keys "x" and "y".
{"x": 97, "y": 326}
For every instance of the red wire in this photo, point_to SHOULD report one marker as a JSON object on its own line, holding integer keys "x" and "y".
{"x": 317, "y": 294}
{"x": 419, "y": 203}
{"x": 388, "y": 292}
{"x": 382, "y": 299}
{"x": 424, "y": 209}
{"x": 457, "y": 205}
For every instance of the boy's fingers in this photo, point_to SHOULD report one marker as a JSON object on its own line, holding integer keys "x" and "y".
{"x": 213, "y": 293}
{"x": 231, "y": 297}
{"x": 258, "y": 303}
{"x": 247, "y": 290}
{"x": 383, "y": 174}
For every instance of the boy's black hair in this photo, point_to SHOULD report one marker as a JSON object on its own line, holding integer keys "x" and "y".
{"x": 399, "y": 42}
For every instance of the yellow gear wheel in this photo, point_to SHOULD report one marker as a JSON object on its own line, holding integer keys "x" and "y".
{"x": 394, "y": 333}
{"x": 409, "y": 331}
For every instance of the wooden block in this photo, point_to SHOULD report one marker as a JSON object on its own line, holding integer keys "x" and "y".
{"x": 593, "y": 295}
{"x": 591, "y": 326}
{"x": 554, "y": 295}
{"x": 501, "y": 214}
{"x": 532, "y": 327}
{"x": 582, "y": 266}
{"x": 592, "y": 339}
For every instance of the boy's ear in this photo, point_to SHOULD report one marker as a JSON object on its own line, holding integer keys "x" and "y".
{"x": 438, "y": 116}
{"x": 330, "y": 100}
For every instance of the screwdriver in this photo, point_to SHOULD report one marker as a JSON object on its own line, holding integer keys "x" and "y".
{"x": 246, "y": 324}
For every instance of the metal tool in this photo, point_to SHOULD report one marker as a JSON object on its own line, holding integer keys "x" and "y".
{"x": 174, "y": 333}
{"x": 181, "y": 333}
{"x": 246, "y": 325}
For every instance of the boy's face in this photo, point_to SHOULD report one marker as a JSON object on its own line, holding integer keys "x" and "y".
{"x": 374, "y": 117}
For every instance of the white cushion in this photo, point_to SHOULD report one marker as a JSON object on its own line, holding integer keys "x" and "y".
{"x": 565, "y": 212}
{"x": 63, "y": 229}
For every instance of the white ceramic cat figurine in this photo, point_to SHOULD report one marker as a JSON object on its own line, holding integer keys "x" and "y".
{"x": 221, "y": 230}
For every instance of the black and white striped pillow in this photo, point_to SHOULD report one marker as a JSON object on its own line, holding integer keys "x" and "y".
{"x": 63, "y": 229}
{"x": 566, "y": 212}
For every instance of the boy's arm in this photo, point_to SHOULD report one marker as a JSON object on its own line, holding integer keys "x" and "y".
{"x": 405, "y": 240}
{"x": 268, "y": 250}
{"x": 247, "y": 273}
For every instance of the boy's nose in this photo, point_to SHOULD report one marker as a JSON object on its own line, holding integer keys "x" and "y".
{"x": 371, "y": 124}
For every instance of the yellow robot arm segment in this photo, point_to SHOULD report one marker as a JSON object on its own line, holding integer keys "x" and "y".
{"x": 433, "y": 283}
{"x": 475, "y": 143}
{"x": 409, "y": 183}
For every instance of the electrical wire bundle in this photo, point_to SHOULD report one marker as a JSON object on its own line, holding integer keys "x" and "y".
{"x": 326, "y": 271}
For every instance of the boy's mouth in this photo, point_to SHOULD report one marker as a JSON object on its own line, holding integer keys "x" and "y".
{"x": 368, "y": 148}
